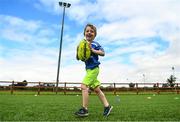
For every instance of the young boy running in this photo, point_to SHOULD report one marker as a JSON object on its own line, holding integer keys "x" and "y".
{"x": 92, "y": 71}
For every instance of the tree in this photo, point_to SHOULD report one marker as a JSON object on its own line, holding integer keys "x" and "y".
{"x": 23, "y": 83}
{"x": 131, "y": 85}
{"x": 171, "y": 80}
{"x": 165, "y": 85}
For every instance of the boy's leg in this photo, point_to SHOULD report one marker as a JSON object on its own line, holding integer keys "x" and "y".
{"x": 91, "y": 76}
{"x": 101, "y": 96}
{"x": 85, "y": 96}
{"x": 83, "y": 112}
{"x": 107, "y": 107}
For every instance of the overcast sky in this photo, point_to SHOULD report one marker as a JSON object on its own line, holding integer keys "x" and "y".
{"x": 138, "y": 36}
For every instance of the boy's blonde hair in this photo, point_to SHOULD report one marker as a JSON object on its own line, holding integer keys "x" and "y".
{"x": 91, "y": 26}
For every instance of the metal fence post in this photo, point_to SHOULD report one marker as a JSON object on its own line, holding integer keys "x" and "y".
{"x": 137, "y": 92}
{"x": 12, "y": 87}
{"x": 158, "y": 88}
{"x": 65, "y": 88}
{"x": 114, "y": 88}
{"x": 39, "y": 88}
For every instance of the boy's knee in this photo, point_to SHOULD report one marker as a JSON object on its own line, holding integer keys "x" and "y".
{"x": 97, "y": 90}
{"x": 84, "y": 87}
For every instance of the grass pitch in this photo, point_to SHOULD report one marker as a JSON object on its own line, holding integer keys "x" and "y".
{"x": 62, "y": 108}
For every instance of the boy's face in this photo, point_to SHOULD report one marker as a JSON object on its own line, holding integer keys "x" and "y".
{"x": 89, "y": 33}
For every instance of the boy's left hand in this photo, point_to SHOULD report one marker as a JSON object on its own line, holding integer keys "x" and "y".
{"x": 89, "y": 44}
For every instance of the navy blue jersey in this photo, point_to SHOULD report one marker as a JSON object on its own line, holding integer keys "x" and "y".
{"x": 93, "y": 61}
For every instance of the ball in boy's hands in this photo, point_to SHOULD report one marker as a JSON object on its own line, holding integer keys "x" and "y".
{"x": 83, "y": 50}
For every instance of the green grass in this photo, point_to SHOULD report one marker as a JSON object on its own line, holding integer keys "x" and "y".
{"x": 62, "y": 108}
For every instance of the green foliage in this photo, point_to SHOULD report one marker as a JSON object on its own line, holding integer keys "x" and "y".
{"x": 131, "y": 85}
{"x": 171, "y": 80}
{"x": 23, "y": 83}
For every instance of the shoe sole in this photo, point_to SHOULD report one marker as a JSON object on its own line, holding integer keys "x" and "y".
{"x": 109, "y": 111}
{"x": 81, "y": 115}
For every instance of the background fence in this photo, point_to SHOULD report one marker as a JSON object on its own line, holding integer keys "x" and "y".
{"x": 38, "y": 88}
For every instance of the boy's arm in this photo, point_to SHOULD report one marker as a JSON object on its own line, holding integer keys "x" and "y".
{"x": 98, "y": 52}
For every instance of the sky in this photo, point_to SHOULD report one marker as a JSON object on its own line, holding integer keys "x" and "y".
{"x": 141, "y": 39}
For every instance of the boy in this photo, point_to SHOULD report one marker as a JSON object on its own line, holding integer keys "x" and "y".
{"x": 92, "y": 71}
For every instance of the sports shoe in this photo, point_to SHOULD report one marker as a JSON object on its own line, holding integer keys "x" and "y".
{"x": 82, "y": 112}
{"x": 107, "y": 110}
